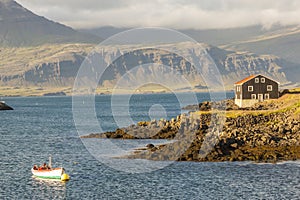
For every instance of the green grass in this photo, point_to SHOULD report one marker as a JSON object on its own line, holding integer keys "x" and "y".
{"x": 286, "y": 103}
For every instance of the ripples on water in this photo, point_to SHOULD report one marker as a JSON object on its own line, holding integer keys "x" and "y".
{"x": 42, "y": 126}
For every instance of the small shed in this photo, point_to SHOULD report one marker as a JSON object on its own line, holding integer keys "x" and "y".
{"x": 255, "y": 88}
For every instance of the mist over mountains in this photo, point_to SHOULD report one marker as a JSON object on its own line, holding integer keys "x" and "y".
{"x": 35, "y": 51}
{"x": 214, "y": 37}
{"x": 282, "y": 41}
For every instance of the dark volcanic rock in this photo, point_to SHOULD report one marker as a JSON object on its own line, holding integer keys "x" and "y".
{"x": 191, "y": 107}
{"x": 264, "y": 137}
{"x": 3, "y": 106}
{"x": 227, "y": 104}
{"x": 150, "y": 146}
{"x": 55, "y": 94}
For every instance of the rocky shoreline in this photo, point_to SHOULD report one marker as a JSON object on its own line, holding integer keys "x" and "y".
{"x": 268, "y": 132}
{"x": 54, "y": 94}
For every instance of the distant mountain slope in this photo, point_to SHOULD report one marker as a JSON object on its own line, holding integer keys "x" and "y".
{"x": 232, "y": 66}
{"x": 21, "y": 27}
{"x": 104, "y": 32}
{"x": 215, "y": 37}
{"x": 284, "y": 43}
{"x": 57, "y": 65}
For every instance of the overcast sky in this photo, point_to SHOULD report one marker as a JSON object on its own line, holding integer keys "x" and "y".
{"x": 180, "y": 14}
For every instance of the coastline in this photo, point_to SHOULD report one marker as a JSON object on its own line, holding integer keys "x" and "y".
{"x": 269, "y": 132}
{"x": 9, "y": 91}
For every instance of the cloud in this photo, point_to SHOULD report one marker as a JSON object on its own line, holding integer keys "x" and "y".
{"x": 179, "y": 14}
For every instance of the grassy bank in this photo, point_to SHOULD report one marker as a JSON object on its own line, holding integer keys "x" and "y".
{"x": 287, "y": 102}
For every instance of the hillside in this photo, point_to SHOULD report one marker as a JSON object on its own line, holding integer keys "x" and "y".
{"x": 283, "y": 43}
{"x": 215, "y": 37}
{"x": 42, "y": 65}
{"x": 231, "y": 65}
{"x": 21, "y": 27}
{"x": 44, "y": 56}
{"x": 57, "y": 65}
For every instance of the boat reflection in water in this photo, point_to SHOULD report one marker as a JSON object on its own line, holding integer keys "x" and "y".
{"x": 49, "y": 188}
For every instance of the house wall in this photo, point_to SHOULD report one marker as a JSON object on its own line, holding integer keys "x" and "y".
{"x": 238, "y": 93}
{"x": 243, "y": 97}
{"x": 244, "y": 103}
{"x": 260, "y": 88}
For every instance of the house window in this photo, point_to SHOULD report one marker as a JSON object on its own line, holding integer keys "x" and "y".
{"x": 238, "y": 88}
{"x": 250, "y": 88}
{"x": 267, "y": 96}
{"x": 256, "y": 80}
{"x": 262, "y": 80}
{"x": 253, "y": 96}
{"x": 269, "y": 88}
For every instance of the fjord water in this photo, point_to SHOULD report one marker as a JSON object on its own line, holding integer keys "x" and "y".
{"x": 43, "y": 126}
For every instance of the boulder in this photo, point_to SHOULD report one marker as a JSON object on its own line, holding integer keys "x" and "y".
{"x": 3, "y": 106}
{"x": 150, "y": 146}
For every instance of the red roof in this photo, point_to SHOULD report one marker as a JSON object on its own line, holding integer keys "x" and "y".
{"x": 241, "y": 82}
{"x": 245, "y": 80}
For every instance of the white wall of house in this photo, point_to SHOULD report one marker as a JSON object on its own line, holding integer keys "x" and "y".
{"x": 243, "y": 103}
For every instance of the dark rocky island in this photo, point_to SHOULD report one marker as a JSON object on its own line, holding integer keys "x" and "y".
{"x": 54, "y": 94}
{"x": 3, "y": 106}
{"x": 267, "y": 132}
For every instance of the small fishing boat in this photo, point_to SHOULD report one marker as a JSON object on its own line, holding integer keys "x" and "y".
{"x": 47, "y": 172}
{"x": 53, "y": 173}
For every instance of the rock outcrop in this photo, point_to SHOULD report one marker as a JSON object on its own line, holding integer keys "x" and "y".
{"x": 55, "y": 94}
{"x": 227, "y": 104}
{"x": 3, "y": 106}
{"x": 267, "y": 135}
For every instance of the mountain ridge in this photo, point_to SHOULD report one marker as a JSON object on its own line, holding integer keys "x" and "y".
{"x": 282, "y": 44}
{"x": 279, "y": 40}
{"x": 57, "y": 65}
{"x": 38, "y": 52}
{"x": 21, "y": 27}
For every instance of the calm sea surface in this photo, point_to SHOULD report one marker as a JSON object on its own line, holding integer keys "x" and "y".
{"x": 43, "y": 126}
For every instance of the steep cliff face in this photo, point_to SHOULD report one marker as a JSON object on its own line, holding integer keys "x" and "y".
{"x": 48, "y": 65}
{"x": 232, "y": 66}
{"x": 60, "y": 73}
{"x": 57, "y": 65}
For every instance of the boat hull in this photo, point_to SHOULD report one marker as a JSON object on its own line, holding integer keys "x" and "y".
{"x": 55, "y": 173}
